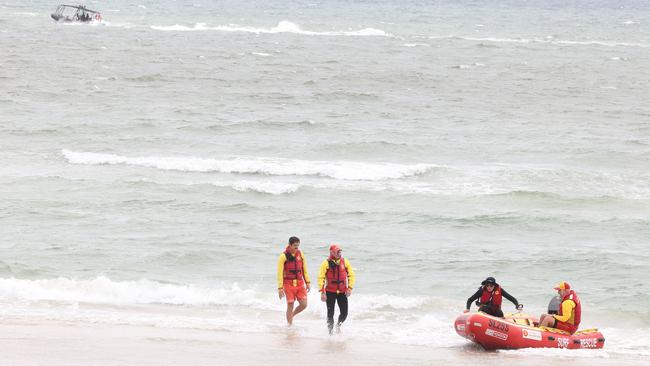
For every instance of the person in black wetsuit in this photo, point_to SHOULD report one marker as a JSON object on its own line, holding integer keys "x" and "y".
{"x": 489, "y": 297}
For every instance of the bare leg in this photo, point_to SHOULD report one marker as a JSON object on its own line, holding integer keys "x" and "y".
{"x": 302, "y": 306}
{"x": 290, "y": 313}
{"x": 547, "y": 321}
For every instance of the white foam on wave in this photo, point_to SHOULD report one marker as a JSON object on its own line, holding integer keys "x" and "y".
{"x": 345, "y": 170}
{"x": 282, "y": 27}
{"x": 274, "y": 188}
{"x": 416, "y": 45}
{"x": 278, "y": 176}
{"x": 472, "y": 182}
{"x": 282, "y": 187}
{"x": 426, "y": 330}
{"x": 603, "y": 43}
{"x": 476, "y": 64}
{"x": 560, "y": 353}
{"x": 399, "y": 319}
{"x": 181, "y": 28}
{"x": 385, "y": 301}
{"x": 102, "y": 290}
{"x": 628, "y": 341}
{"x": 416, "y": 320}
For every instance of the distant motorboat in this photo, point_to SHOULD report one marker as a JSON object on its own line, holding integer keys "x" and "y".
{"x": 76, "y": 13}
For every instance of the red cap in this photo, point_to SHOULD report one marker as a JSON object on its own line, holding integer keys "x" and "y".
{"x": 563, "y": 286}
{"x": 334, "y": 248}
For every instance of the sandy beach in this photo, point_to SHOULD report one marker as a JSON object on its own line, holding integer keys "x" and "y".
{"x": 55, "y": 343}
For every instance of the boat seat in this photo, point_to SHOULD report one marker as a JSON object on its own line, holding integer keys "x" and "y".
{"x": 520, "y": 319}
{"x": 585, "y": 331}
{"x": 553, "y": 330}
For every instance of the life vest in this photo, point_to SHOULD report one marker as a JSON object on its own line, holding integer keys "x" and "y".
{"x": 337, "y": 276}
{"x": 491, "y": 298}
{"x": 577, "y": 310}
{"x": 293, "y": 266}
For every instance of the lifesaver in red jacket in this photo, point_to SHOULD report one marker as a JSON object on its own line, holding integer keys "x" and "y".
{"x": 293, "y": 266}
{"x": 577, "y": 311}
{"x": 493, "y": 298}
{"x": 337, "y": 276}
{"x": 98, "y": 17}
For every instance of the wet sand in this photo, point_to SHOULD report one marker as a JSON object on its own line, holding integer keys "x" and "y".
{"x": 53, "y": 343}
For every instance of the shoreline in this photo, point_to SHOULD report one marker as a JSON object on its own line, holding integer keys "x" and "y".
{"x": 29, "y": 341}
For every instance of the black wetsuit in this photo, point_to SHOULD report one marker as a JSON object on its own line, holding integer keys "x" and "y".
{"x": 490, "y": 308}
{"x": 342, "y": 300}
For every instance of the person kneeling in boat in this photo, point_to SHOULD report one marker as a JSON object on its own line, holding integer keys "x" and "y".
{"x": 489, "y": 297}
{"x": 570, "y": 312}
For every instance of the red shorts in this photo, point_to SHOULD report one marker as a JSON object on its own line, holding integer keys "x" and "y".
{"x": 294, "y": 292}
{"x": 567, "y": 327}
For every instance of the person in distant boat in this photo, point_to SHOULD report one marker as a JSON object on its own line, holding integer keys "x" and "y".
{"x": 293, "y": 278}
{"x": 335, "y": 281}
{"x": 490, "y": 296}
{"x": 570, "y": 311}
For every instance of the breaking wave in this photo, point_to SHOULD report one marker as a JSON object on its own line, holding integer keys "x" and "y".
{"x": 282, "y": 27}
{"x": 102, "y": 290}
{"x": 345, "y": 170}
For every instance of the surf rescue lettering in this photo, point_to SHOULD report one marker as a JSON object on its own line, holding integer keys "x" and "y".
{"x": 498, "y": 325}
{"x": 588, "y": 343}
{"x": 562, "y": 342}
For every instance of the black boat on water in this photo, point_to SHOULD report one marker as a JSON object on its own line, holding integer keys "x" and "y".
{"x": 76, "y": 13}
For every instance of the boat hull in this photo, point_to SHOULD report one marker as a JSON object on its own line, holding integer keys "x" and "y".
{"x": 504, "y": 333}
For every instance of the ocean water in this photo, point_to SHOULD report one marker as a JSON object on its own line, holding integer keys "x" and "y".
{"x": 153, "y": 166}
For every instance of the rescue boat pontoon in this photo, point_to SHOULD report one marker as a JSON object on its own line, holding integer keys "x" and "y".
{"x": 518, "y": 331}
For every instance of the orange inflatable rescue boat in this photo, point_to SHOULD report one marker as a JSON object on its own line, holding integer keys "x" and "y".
{"x": 518, "y": 331}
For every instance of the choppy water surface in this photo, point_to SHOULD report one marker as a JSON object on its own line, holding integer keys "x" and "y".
{"x": 166, "y": 155}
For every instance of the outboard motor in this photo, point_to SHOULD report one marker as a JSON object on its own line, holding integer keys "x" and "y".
{"x": 554, "y": 305}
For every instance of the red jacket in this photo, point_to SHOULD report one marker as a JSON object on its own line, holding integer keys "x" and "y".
{"x": 493, "y": 298}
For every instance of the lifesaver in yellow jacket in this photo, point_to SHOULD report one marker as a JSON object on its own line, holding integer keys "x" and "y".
{"x": 337, "y": 276}
{"x": 293, "y": 266}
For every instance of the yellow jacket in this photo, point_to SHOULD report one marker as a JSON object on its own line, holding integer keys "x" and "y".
{"x": 567, "y": 312}
{"x": 283, "y": 258}
{"x": 322, "y": 273}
